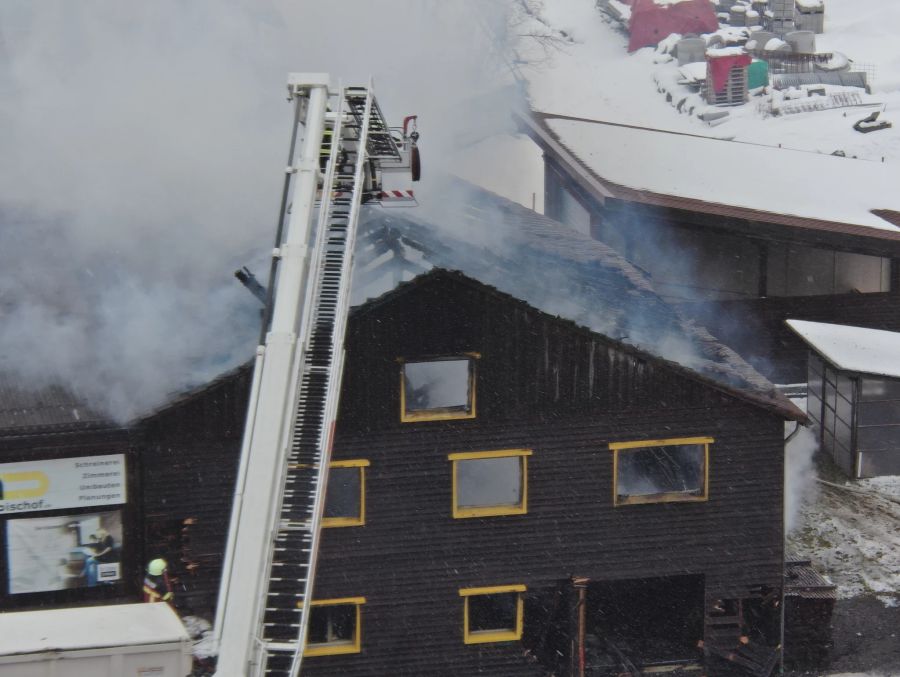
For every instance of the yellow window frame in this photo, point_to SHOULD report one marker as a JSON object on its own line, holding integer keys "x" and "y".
{"x": 337, "y": 648}
{"x": 440, "y": 413}
{"x": 616, "y": 447}
{"x": 491, "y": 510}
{"x": 360, "y": 520}
{"x": 486, "y": 636}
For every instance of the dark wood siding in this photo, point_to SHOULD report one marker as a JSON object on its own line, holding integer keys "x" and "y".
{"x": 532, "y": 366}
{"x": 535, "y": 391}
{"x": 542, "y": 384}
{"x": 192, "y": 450}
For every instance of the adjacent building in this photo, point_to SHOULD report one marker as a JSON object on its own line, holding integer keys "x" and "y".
{"x": 854, "y": 395}
{"x": 741, "y": 233}
{"x": 512, "y": 492}
{"x": 70, "y": 503}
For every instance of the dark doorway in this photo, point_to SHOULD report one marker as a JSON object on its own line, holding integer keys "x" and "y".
{"x": 647, "y": 622}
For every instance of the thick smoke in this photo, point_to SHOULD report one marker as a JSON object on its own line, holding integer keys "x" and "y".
{"x": 799, "y": 474}
{"x": 142, "y": 153}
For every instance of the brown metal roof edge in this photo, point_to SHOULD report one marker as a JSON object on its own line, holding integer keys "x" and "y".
{"x": 892, "y": 216}
{"x": 614, "y": 190}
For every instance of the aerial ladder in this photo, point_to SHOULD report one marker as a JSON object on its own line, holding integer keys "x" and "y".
{"x": 347, "y": 156}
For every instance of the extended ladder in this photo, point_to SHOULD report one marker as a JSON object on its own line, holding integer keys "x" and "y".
{"x": 263, "y": 617}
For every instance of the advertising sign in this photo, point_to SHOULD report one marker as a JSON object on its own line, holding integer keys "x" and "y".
{"x": 62, "y": 483}
{"x": 64, "y": 552}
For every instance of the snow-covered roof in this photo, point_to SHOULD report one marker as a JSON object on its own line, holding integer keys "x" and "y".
{"x": 859, "y": 349}
{"x": 774, "y": 164}
{"x": 89, "y": 627}
{"x": 751, "y": 176}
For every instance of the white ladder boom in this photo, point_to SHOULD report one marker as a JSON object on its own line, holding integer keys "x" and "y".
{"x": 269, "y": 568}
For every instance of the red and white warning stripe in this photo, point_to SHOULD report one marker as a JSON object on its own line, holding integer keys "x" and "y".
{"x": 397, "y": 198}
{"x": 389, "y": 198}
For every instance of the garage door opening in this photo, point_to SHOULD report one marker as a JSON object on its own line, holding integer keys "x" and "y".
{"x": 647, "y": 622}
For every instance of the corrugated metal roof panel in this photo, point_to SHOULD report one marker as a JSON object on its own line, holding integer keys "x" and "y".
{"x": 25, "y": 406}
{"x": 801, "y": 580}
{"x": 787, "y": 80}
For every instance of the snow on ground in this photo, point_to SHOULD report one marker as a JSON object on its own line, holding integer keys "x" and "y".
{"x": 594, "y": 77}
{"x": 851, "y": 532}
{"x": 590, "y": 74}
{"x": 200, "y": 631}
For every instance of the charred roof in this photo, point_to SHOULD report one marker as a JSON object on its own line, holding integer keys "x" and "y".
{"x": 720, "y": 377}
{"x": 545, "y": 265}
{"x": 38, "y": 409}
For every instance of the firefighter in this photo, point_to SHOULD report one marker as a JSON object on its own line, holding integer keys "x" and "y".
{"x": 157, "y": 587}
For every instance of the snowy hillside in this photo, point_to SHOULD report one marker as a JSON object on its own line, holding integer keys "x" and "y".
{"x": 591, "y": 75}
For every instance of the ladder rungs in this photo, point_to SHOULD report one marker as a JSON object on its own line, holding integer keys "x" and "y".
{"x": 281, "y": 646}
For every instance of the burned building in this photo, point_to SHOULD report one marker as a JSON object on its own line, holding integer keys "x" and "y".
{"x": 511, "y": 491}
{"x": 520, "y": 492}
{"x": 69, "y": 501}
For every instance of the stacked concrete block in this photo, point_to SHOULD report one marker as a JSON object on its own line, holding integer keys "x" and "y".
{"x": 737, "y": 15}
{"x": 782, "y": 16}
{"x": 810, "y": 16}
{"x": 690, "y": 50}
{"x": 801, "y": 42}
{"x": 759, "y": 39}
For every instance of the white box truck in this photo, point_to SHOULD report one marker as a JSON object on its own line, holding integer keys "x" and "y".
{"x": 122, "y": 640}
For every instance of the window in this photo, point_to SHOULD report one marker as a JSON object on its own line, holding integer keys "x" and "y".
{"x": 334, "y": 627}
{"x": 489, "y": 483}
{"x": 660, "y": 471}
{"x": 437, "y": 389}
{"x": 345, "y": 498}
{"x": 492, "y": 614}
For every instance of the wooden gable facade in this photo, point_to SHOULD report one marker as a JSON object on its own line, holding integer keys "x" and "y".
{"x": 564, "y": 398}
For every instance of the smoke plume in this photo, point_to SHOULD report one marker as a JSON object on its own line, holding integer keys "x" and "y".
{"x": 142, "y": 153}
{"x": 799, "y": 474}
